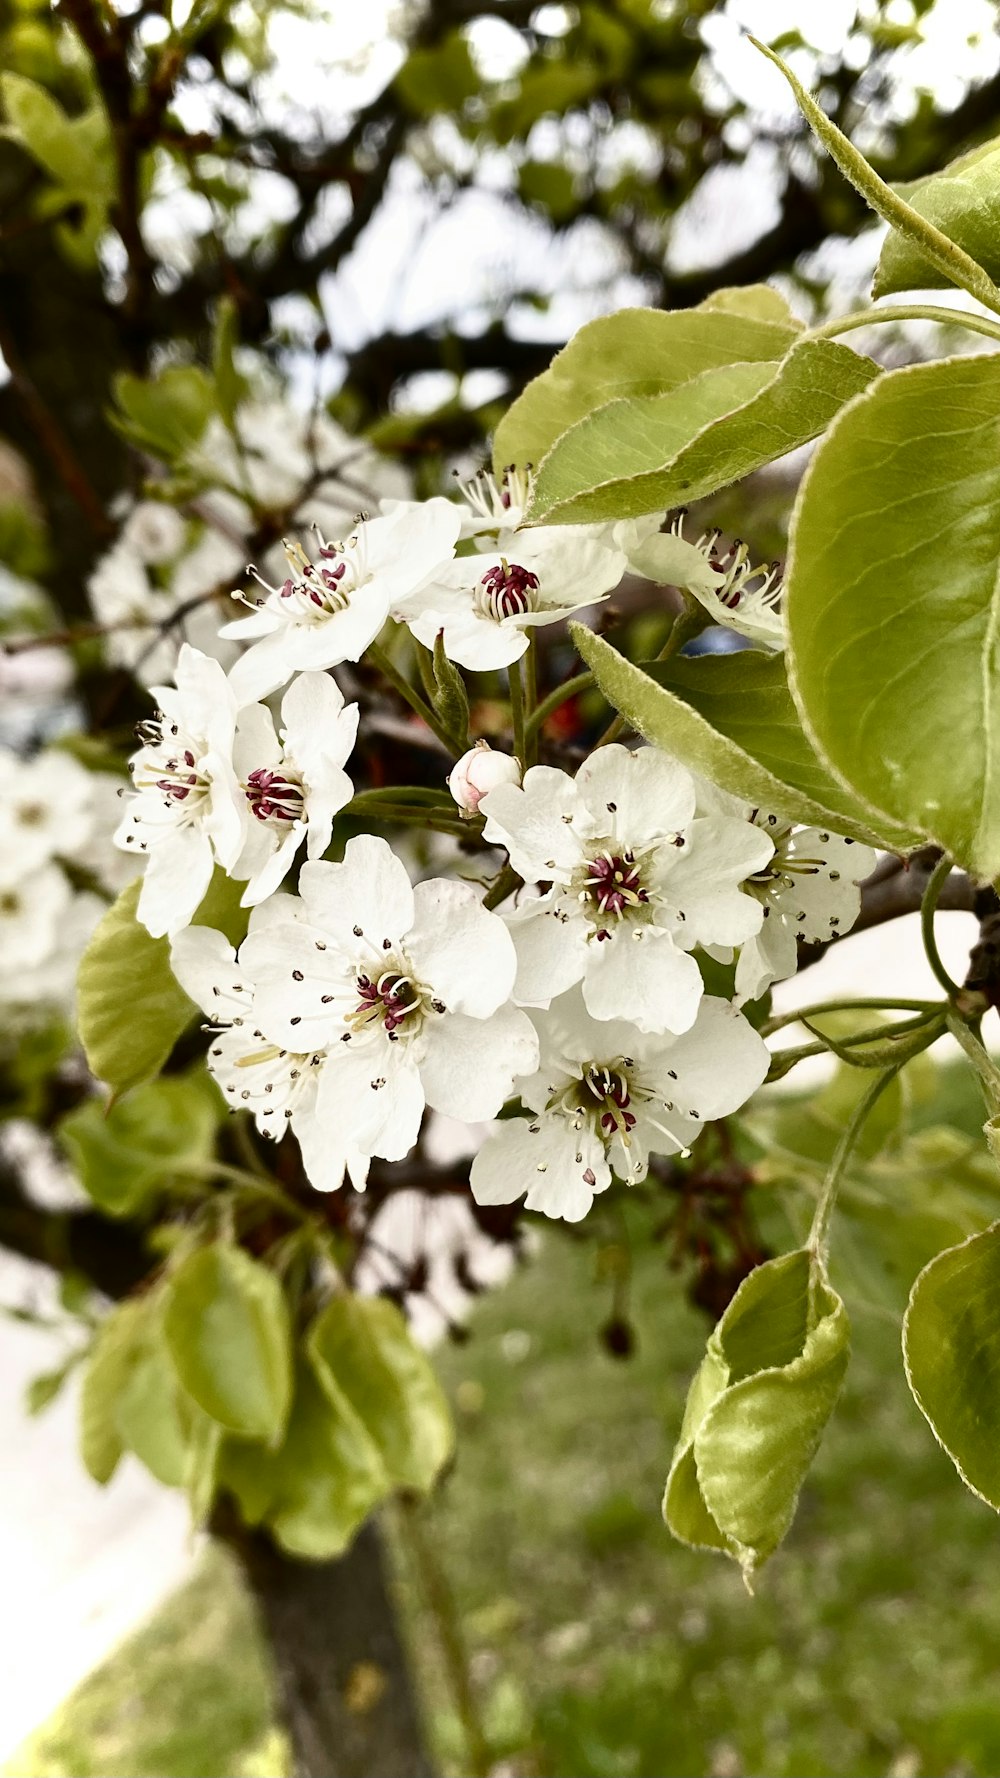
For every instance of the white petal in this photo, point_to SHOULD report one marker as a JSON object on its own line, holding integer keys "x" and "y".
{"x": 639, "y": 974}
{"x": 266, "y": 665}
{"x": 176, "y": 881}
{"x": 719, "y": 1064}
{"x": 256, "y": 743}
{"x": 204, "y": 963}
{"x": 641, "y": 795}
{"x": 559, "y": 1168}
{"x": 319, "y": 730}
{"x": 543, "y": 823}
{"x": 705, "y": 877}
{"x": 825, "y": 901}
{"x": 459, "y": 950}
{"x": 771, "y": 956}
{"x": 672, "y": 561}
{"x": 371, "y": 1099}
{"x": 550, "y": 938}
{"x": 469, "y": 1065}
{"x": 276, "y": 866}
{"x": 370, "y": 889}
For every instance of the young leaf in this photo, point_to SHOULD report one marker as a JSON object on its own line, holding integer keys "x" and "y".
{"x": 451, "y": 700}
{"x": 148, "y": 1413}
{"x": 124, "y": 1153}
{"x": 363, "y": 1348}
{"x": 318, "y": 1488}
{"x": 743, "y": 756}
{"x": 228, "y": 1331}
{"x": 963, "y": 200}
{"x": 892, "y": 598}
{"x": 757, "y": 1410}
{"x": 951, "y": 1350}
{"x": 633, "y": 352}
{"x": 651, "y": 452}
{"x": 116, "y": 1348}
{"x": 130, "y": 1008}
{"x": 166, "y": 414}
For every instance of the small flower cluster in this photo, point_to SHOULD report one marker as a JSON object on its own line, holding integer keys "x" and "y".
{"x": 362, "y": 1000}
{"x": 53, "y": 814}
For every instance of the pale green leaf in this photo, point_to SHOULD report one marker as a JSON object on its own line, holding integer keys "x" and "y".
{"x": 116, "y": 1347}
{"x": 364, "y": 1347}
{"x": 757, "y": 1410}
{"x": 634, "y": 352}
{"x": 166, "y": 414}
{"x": 963, "y": 200}
{"x": 75, "y": 151}
{"x": 317, "y": 1489}
{"x": 758, "y": 302}
{"x": 148, "y": 1415}
{"x": 677, "y": 725}
{"x": 892, "y": 602}
{"x": 130, "y": 1008}
{"x": 227, "y": 1327}
{"x": 451, "y": 701}
{"x": 951, "y": 1348}
{"x": 653, "y": 452}
{"x": 123, "y": 1154}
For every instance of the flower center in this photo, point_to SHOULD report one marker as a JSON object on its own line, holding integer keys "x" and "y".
{"x": 10, "y": 902}
{"x": 613, "y": 884}
{"x": 506, "y": 590}
{"x": 391, "y": 999}
{"x": 607, "y": 1086}
{"x": 275, "y": 796}
{"x": 314, "y": 591}
{"x": 170, "y": 765}
{"x": 30, "y": 814}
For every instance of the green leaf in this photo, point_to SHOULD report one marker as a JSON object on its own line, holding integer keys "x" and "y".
{"x": 757, "y": 1410}
{"x": 126, "y": 1152}
{"x": 148, "y": 1413}
{"x": 116, "y": 1347}
{"x": 678, "y": 725}
{"x": 228, "y": 1330}
{"x": 963, "y": 200}
{"x": 438, "y": 79}
{"x": 893, "y": 600}
{"x": 319, "y": 1487}
{"x": 634, "y": 352}
{"x": 550, "y": 185}
{"x": 230, "y": 387}
{"x": 75, "y": 151}
{"x": 201, "y": 1463}
{"x": 43, "y": 1389}
{"x": 363, "y": 1348}
{"x": 951, "y": 1349}
{"x": 165, "y": 415}
{"x": 636, "y": 455}
{"x": 758, "y": 302}
{"x": 130, "y": 1008}
{"x": 451, "y": 700}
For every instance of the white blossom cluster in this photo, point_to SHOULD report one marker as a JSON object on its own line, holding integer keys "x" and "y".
{"x": 54, "y": 814}
{"x": 577, "y": 1009}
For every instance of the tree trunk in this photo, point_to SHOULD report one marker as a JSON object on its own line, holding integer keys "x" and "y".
{"x": 344, "y": 1688}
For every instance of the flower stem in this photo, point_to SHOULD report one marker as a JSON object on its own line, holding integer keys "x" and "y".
{"x": 530, "y": 700}
{"x": 935, "y": 883}
{"x": 786, "y": 1060}
{"x": 503, "y": 885}
{"x": 906, "y": 312}
{"x": 984, "y": 1065}
{"x": 407, "y": 692}
{"x": 819, "y": 1232}
{"x": 570, "y": 688}
{"x": 517, "y": 710}
{"x": 822, "y": 1006}
{"x": 440, "y": 1602}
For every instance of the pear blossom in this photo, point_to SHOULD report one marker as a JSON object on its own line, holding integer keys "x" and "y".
{"x": 278, "y": 1086}
{"x": 406, "y": 989}
{"x": 487, "y": 602}
{"x": 331, "y": 610}
{"x": 46, "y": 807}
{"x": 32, "y": 991}
{"x": 809, "y": 889}
{"x": 493, "y": 504}
{"x": 186, "y": 810}
{"x": 293, "y": 787}
{"x": 33, "y": 906}
{"x": 607, "y": 1096}
{"x": 637, "y": 878}
{"x": 736, "y": 592}
{"x": 478, "y": 771}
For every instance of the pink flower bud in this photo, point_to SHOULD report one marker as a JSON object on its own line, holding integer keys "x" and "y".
{"x": 479, "y": 771}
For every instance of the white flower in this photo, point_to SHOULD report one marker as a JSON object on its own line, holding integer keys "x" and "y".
{"x": 331, "y": 610}
{"x": 606, "y": 1097}
{"x": 733, "y": 590}
{"x": 407, "y": 988}
{"x": 293, "y": 787}
{"x": 156, "y": 532}
{"x": 33, "y": 991}
{"x": 46, "y": 808}
{"x": 32, "y": 909}
{"x": 186, "y": 810}
{"x": 638, "y": 880}
{"x": 278, "y": 1086}
{"x": 492, "y": 506}
{"x": 478, "y": 772}
{"x": 487, "y": 602}
{"x": 152, "y": 607}
{"x": 809, "y": 889}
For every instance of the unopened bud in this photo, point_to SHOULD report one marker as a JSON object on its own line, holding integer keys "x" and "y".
{"x": 478, "y": 772}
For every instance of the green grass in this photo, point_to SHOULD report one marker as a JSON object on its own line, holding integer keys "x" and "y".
{"x": 598, "y": 1646}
